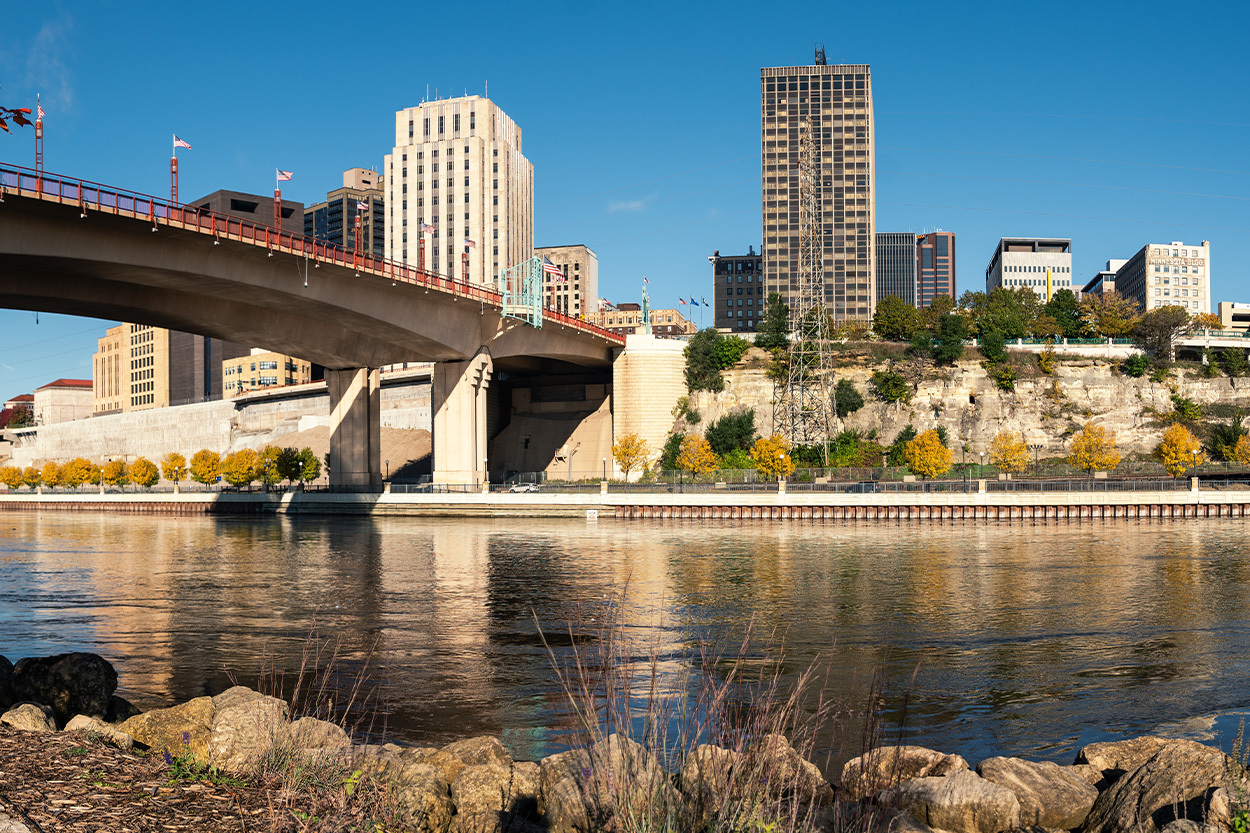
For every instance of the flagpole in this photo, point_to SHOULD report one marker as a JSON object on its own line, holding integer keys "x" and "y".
{"x": 173, "y": 170}
{"x": 39, "y": 136}
{"x": 277, "y": 202}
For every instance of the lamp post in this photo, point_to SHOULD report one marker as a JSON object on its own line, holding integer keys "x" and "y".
{"x": 981, "y": 470}
{"x": 388, "y": 469}
{"x": 485, "y": 472}
{"x": 781, "y": 465}
{"x": 1195, "y": 461}
{"x": 605, "y": 468}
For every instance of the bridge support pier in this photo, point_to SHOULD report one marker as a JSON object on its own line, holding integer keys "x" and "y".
{"x": 355, "y": 427}
{"x": 459, "y": 404}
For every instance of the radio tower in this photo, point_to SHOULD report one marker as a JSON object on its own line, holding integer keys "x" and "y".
{"x": 801, "y": 409}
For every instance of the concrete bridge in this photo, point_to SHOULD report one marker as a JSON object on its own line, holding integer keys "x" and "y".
{"x": 80, "y": 248}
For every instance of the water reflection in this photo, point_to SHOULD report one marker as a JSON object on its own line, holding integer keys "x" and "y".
{"x": 1029, "y": 639}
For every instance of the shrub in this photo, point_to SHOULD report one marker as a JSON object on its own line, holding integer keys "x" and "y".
{"x": 1046, "y": 359}
{"x": 1224, "y": 438}
{"x": 732, "y": 431}
{"x": 846, "y": 399}
{"x": 730, "y": 350}
{"x": 1185, "y": 409}
{"x": 993, "y": 346}
{"x": 1232, "y": 360}
{"x": 891, "y": 386}
{"x": 1004, "y": 375}
{"x": 737, "y": 459}
{"x": 1135, "y": 365}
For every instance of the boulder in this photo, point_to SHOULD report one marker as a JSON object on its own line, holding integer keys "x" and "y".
{"x": 471, "y": 752}
{"x": 246, "y": 725}
{"x": 8, "y": 824}
{"x": 1049, "y": 795}
{"x": 120, "y": 709}
{"x": 8, "y": 695}
{"x": 1116, "y": 758}
{"x": 785, "y": 772}
{"x": 28, "y": 717}
{"x": 1174, "y": 783}
{"x": 707, "y": 776}
{"x": 423, "y": 799}
{"x": 184, "y": 729}
{"x": 563, "y": 791}
{"x": 494, "y": 788}
{"x": 888, "y": 766}
{"x": 962, "y": 802}
{"x": 493, "y": 823}
{"x": 581, "y": 789}
{"x": 94, "y": 727}
{"x": 70, "y": 683}
{"x": 1190, "y": 826}
{"x": 311, "y": 733}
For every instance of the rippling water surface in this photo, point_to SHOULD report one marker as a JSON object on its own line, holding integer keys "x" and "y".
{"x": 1023, "y": 640}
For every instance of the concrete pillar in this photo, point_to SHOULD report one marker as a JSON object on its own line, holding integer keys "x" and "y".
{"x": 458, "y": 392}
{"x": 355, "y": 427}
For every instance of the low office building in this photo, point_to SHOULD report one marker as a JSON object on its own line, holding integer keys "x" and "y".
{"x": 1044, "y": 265}
{"x": 1104, "y": 282}
{"x": 255, "y": 208}
{"x": 1168, "y": 274}
{"x": 335, "y": 219}
{"x": 1234, "y": 316}
{"x": 575, "y": 291}
{"x": 64, "y": 400}
{"x": 738, "y": 294}
{"x": 626, "y": 319}
{"x": 262, "y": 369}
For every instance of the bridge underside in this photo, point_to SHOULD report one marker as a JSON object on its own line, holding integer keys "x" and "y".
{"x": 117, "y": 267}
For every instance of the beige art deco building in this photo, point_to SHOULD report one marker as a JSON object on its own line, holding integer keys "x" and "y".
{"x": 576, "y": 290}
{"x": 1168, "y": 274}
{"x": 137, "y": 367}
{"x": 260, "y": 370}
{"x": 457, "y": 169}
{"x": 838, "y": 101}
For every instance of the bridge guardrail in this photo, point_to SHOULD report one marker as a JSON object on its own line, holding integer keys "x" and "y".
{"x": 123, "y": 202}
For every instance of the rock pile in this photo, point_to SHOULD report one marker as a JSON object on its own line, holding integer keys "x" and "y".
{"x": 1145, "y": 785}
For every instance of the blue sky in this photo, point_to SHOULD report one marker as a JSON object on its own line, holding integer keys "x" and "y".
{"x": 1115, "y": 124}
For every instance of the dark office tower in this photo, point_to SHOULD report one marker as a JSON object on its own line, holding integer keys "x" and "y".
{"x": 836, "y": 101}
{"x": 935, "y": 264}
{"x": 896, "y": 266}
{"x": 335, "y": 219}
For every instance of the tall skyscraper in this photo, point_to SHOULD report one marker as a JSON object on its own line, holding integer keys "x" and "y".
{"x": 838, "y": 101}
{"x": 896, "y": 266}
{"x": 935, "y": 259}
{"x": 458, "y": 171}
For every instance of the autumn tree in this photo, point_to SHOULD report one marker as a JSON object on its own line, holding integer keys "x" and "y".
{"x": 927, "y": 456}
{"x": 115, "y": 473}
{"x": 174, "y": 467}
{"x": 50, "y": 475}
{"x": 1009, "y": 453}
{"x": 266, "y": 468}
{"x": 205, "y": 466}
{"x": 11, "y": 476}
{"x": 1109, "y": 315}
{"x": 1241, "y": 451}
{"x": 74, "y": 473}
{"x": 631, "y": 452}
{"x": 240, "y": 467}
{"x": 1206, "y": 321}
{"x": 143, "y": 472}
{"x": 32, "y": 477}
{"x": 696, "y": 455}
{"x": 771, "y": 456}
{"x": 1179, "y": 450}
{"x": 1094, "y": 449}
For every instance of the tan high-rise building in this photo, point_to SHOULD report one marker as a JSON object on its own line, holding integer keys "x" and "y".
{"x": 137, "y": 367}
{"x": 576, "y": 290}
{"x": 838, "y": 101}
{"x": 457, "y": 168}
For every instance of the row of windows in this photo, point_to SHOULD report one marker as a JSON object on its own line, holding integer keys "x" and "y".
{"x": 1179, "y": 293}
{"x": 1060, "y": 282}
{"x": 1037, "y": 268}
{"x": 1177, "y": 252}
{"x": 1180, "y": 270}
{"x": 143, "y": 400}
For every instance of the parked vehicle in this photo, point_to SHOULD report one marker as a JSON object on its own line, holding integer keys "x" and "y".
{"x": 866, "y": 487}
{"x": 523, "y": 487}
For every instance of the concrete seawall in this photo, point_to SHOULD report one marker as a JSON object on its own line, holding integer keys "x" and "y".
{"x": 1033, "y": 507}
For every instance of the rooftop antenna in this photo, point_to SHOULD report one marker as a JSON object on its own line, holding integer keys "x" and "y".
{"x": 820, "y": 55}
{"x": 486, "y": 91}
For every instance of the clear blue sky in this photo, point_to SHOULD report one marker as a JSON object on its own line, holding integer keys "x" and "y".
{"x": 1115, "y": 124}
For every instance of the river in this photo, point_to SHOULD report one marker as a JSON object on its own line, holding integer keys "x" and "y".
{"x": 1004, "y": 639}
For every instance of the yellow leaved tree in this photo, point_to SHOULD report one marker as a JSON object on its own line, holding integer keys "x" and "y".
{"x": 205, "y": 466}
{"x": 1241, "y": 451}
{"x": 143, "y": 472}
{"x": 771, "y": 456}
{"x": 174, "y": 467}
{"x": 240, "y": 467}
{"x": 11, "y": 476}
{"x": 1094, "y": 449}
{"x": 115, "y": 473}
{"x": 926, "y": 456}
{"x": 50, "y": 475}
{"x": 1009, "y": 453}
{"x": 32, "y": 476}
{"x": 76, "y": 472}
{"x": 1180, "y": 450}
{"x": 631, "y": 452}
{"x": 696, "y": 456}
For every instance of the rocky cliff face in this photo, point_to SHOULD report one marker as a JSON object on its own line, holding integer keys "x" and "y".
{"x": 1048, "y": 410}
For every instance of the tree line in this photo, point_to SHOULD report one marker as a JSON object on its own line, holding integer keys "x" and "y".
{"x": 269, "y": 466}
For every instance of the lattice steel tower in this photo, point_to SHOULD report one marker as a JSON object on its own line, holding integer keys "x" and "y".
{"x": 802, "y": 408}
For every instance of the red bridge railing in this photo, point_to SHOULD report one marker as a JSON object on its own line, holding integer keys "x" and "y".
{"x": 93, "y": 196}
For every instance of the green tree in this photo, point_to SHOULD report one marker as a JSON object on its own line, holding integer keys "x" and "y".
{"x": 891, "y": 386}
{"x": 846, "y": 399}
{"x": 672, "y": 447}
{"x": 932, "y": 315}
{"x": 927, "y": 456}
{"x": 240, "y": 467}
{"x": 737, "y": 459}
{"x": 174, "y": 467}
{"x": 895, "y": 319}
{"x": 1158, "y": 329}
{"x": 703, "y": 362}
{"x": 267, "y": 471}
{"x": 1066, "y": 310}
{"x": 993, "y": 346}
{"x": 289, "y": 465}
{"x": 895, "y": 455}
{"x": 772, "y": 333}
{"x": 309, "y": 465}
{"x": 949, "y": 346}
{"x": 1232, "y": 360}
{"x": 732, "y": 431}
{"x": 205, "y": 466}
{"x": 143, "y": 472}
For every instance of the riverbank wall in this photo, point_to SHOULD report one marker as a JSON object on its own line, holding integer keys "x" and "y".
{"x": 815, "y": 507}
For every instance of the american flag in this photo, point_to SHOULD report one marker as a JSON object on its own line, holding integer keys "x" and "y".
{"x": 682, "y": 301}
{"x": 361, "y": 205}
{"x": 39, "y": 108}
{"x": 178, "y": 143}
{"x": 283, "y": 176}
{"x": 426, "y": 228}
{"x": 644, "y": 280}
{"x": 551, "y": 269}
{"x": 469, "y": 243}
